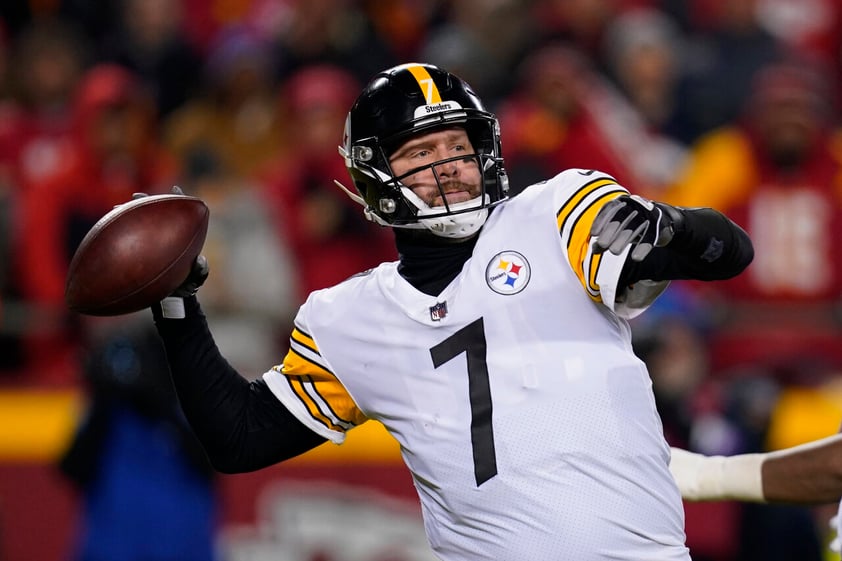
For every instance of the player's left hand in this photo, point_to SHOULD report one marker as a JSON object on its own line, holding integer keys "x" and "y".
{"x": 630, "y": 220}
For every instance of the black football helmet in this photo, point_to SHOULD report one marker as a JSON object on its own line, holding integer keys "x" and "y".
{"x": 400, "y": 103}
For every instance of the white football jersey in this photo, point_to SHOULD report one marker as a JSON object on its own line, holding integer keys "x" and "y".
{"x": 528, "y": 424}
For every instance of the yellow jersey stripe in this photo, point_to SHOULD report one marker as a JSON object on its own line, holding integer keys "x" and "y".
{"x": 304, "y": 339}
{"x": 593, "y": 269}
{"x": 304, "y": 346}
{"x": 582, "y": 209}
{"x": 305, "y": 366}
{"x": 580, "y": 232}
{"x": 426, "y": 83}
{"x": 298, "y": 390}
{"x": 314, "y": 388}
{"x": 578, "y": 244}
{"x": 323, "y": 388}
{"x": 566, "y": 211}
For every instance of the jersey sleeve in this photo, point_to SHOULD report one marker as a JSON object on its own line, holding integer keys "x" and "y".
{"x": 306, "y": 386}
{"x": 581, "y": 195}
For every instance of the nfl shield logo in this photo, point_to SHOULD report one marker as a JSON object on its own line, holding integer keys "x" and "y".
{"x": 438, "y": 311}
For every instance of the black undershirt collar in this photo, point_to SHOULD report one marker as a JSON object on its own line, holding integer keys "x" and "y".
{"x": 428, "y": 262}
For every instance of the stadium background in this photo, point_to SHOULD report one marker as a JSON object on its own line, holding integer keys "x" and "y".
{"x": 242, "y": 103}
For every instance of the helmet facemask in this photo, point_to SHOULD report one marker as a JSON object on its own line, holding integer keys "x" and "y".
{"x": 450, "y": 220}
{"x": 390, "y": 202}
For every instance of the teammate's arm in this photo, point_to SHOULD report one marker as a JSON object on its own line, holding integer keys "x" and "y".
{"x": 241, "y": 425}
{"x": 807, "y": 474}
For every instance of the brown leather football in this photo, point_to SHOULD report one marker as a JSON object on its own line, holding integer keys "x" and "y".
{"x": 136, "y": 255}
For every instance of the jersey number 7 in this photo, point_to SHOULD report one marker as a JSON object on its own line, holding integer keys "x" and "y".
{"x": 471, "y": 340}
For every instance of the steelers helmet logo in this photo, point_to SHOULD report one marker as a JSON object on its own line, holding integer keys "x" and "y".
{"x": 507, "y": 273}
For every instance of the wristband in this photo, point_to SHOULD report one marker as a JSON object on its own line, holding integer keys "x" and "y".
{"x": 714, "y": 478}
{"x": 175, "y": 307}
{"x": 172, "y": 307}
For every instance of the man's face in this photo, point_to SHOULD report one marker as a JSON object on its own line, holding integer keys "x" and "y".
{"x": 460, "y": 179}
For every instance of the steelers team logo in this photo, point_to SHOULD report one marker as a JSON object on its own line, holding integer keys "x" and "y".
{"x": 507, "y": 273}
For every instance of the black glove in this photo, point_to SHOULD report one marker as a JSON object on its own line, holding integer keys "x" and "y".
{"x": 630, "y": 220}
{"x": 197, "y": 277}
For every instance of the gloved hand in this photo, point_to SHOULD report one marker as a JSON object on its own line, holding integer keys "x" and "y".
{"x": 197, "y": 277}
{"x": 174, "y": 306}
{"x": 176, "y": 190}
{"x": 630, "y": 220}
{"x": 199, "y": 270}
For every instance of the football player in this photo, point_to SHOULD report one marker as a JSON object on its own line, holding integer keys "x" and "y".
{"x": 495, "y": 350}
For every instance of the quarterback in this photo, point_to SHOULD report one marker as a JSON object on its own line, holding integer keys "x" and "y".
{"x": 495, "y": 350}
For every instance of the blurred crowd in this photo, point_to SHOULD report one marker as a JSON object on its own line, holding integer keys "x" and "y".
{"x": 733, "y": 104}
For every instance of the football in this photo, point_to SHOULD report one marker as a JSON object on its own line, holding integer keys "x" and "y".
{"x": 136, "y": 255}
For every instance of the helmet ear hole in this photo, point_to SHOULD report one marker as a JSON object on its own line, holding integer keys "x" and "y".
{"x": 388, "y": 206}
{"x": 362, "y": 153}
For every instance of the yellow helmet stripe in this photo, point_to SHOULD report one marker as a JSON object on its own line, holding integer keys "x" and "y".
{"x": 426, "y": 83}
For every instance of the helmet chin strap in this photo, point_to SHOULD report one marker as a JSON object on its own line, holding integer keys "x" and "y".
{"x": 454, "y": 226}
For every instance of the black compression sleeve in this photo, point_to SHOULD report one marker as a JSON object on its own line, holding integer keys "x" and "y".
{"x": 707, "y": 246}
{"x": 242, "y": 425}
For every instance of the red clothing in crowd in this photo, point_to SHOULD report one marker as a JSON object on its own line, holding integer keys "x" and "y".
{"x": 783, "y": 311}
{"x": 326, "y": 231}
{"x": 57, "y": 211}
